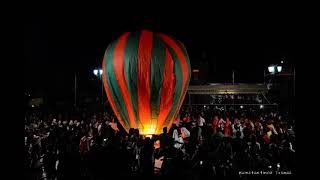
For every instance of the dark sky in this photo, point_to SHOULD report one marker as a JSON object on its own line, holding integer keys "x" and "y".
{"x": 58, "y": 46}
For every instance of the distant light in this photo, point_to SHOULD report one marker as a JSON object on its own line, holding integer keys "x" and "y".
{"x": 95, "y": 72}
{"x": 204, "y": 106}
{"x": 29, "y": 95}
{"x": 201, "y": 162}
{"x": 100, "y": 71}
{"x": 271, "y": 69}
{"x": 281, "y": 62}
{"x": 278, "y": 165}
{"x": 241, "y": 107}
{"x": 32, "y": 105}
{"x": 279, "y": 68}
{"x": 261, "y": 106}
{"x": 195, "y": 70}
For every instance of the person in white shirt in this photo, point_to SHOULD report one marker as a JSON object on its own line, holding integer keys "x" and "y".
{"x": 99, "y": 125}
{"x": 252, "y": 125}
{"x": 70, "y": 122}
{"x": 221, "y": 124}
{"x": 201, "y": 121}
{"x": 178, "y": 141}
{"x": 237, "y": 127}
{"x": 185, "y": 132}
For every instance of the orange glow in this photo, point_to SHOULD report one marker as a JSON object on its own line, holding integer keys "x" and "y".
{"x": 148, "y": 129}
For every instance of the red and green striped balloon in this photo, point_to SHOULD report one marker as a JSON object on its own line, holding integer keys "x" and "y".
{"x": 146, "y": 76}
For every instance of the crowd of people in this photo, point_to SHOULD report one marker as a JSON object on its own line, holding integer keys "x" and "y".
{"x": 202, "y": 143}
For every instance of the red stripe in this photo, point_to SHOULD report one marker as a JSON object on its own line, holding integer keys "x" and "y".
{"x": 143, "y": 84}
{"x": 184, "y": 66}
{"x": 118, "y": 64}
{"x": 111, "y": 101}
{"x": 167, "y": 91}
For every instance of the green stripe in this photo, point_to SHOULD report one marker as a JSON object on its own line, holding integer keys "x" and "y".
{"x": 188, "y": 76}
{"x": 131, "y": 68}
{"x": 113, "y": 85}
{"x": 178, "y": 85}
{"x": 184, "y": 50}
{"x": 186, "y": 56}
{"x": 157, "y": 69}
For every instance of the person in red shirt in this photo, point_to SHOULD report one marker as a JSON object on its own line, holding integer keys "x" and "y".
{"x": 227, "y": 128}
{"x": 186, "y": 119}
{"x": 215, "y": 123}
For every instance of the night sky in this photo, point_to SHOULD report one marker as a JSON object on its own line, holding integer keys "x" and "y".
{"x": 58, "y": 46}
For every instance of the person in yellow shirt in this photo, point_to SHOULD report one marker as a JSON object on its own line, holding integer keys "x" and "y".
{"x": 269, "y": 133}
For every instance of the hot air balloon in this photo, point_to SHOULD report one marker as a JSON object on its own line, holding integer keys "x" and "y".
{"x": 146, "y": 76}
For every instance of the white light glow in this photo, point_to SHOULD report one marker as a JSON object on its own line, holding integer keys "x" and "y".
{"x": 241, "y": 107}
{"x": 100, "y": 71}
{"x": 279, "y": 68}
{"x": 271, "y": 69}
{"x": 261, "y": 106}
{"x": 95, "y": 72}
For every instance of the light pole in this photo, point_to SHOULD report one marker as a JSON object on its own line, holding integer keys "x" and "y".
{"x": 294, "y": 82}
{"x": 273, "y": 70}
{"x": 75, "y": 89}
{"x": 98, "y": 73}
{"x": 232, "y": 77}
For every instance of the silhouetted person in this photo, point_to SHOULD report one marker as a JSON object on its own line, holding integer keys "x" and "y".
{"x": 146, "y": 158}
{"x": 164, "y": 139}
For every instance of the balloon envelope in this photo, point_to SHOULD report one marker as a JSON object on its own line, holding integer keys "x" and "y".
{"x": 146, "y": 76}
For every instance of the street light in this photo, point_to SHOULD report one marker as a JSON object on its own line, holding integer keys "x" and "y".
{"x": 98, "y": 73}
{"x": 274, "y": 69}
{"x": 271, "y": 69}
{"x": 279, "y": 68}
{"x": 95, "y": 72}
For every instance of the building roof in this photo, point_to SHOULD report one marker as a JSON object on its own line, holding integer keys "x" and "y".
{"x": 239, "y": 88}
